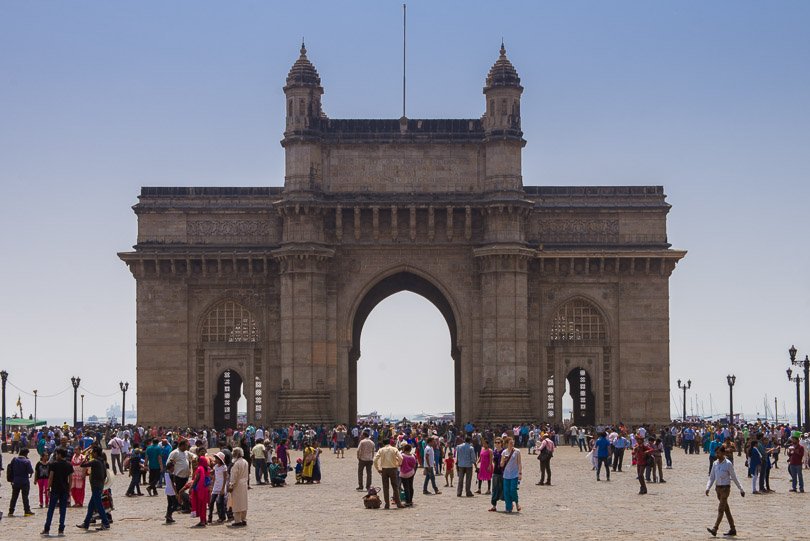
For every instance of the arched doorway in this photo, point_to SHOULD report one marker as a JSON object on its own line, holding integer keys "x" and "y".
{"x": 229, "y": 393}
{"x": 583, "y": 407}
{"x": 390, "y": 285}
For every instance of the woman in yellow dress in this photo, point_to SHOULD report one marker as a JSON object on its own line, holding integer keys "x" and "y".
{"x": 310, "y": 454}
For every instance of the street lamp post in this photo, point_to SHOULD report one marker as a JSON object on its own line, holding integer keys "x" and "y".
{"x": 35, "y": 406}
{"x": 806, "y": 364}
{"x": 684, "y": 388}
{"x": 75, "y": 382}
{"x": 731, "y": 381}
{"x": 798, "y": 379}
{"x": 124, "y": 387}
{"x": 4, "y": 377}
{"x": 82, "y": 409}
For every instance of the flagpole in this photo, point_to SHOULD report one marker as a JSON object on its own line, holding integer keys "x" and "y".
{"x": 404, "y": 26}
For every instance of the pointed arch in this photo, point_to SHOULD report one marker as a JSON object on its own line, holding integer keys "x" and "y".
{"x": 578, "y": 320}
{"x": 228, "y": 321}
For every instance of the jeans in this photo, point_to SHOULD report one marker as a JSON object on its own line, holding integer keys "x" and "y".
{"x": 260, "y": 469}
{"x": 95, "y": 505}
{"x": 407, "y": 486}
{"x": 668, "y": 456}
{"x": 61, "y": 499}
{"x": 171, "y": 506}
{"x": 464, "y": 473}
{"x": 497, "y": 489}
{"x": 603, "y": 460}
{"x": 545, "y": 468}
{"x": 796, "y": 474}
{"x": 510, "y": 493}
{"x": 219, "y": 500}
{"x": 430, "y": 477}
{"x": 581, "y": 443}
{"x": 15, "y": 493}
{"x": 135, "y": 483}
{"x": 364, "y": 465}
{"x": 116, "y": 459}
{"x": 618, "y": 457}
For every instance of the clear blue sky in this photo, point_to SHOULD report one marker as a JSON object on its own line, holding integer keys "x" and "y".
{"x": 709, "y": 99}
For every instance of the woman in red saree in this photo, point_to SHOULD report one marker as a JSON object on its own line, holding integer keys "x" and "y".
{"x": 77, "y": 480}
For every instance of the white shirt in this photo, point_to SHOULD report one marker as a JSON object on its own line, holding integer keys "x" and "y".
{"x": 115, "y": 445}
{"x": 169, "y": 486}
{"x": 181, "y": 465}
{"x": 723, "y": 474}
{"x": 259, "y": 434}
{"x": 219, "y": 478}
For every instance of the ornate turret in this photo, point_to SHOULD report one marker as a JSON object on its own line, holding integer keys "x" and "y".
{"x": 303, "y": 92}
{"x": 502, "y": 91}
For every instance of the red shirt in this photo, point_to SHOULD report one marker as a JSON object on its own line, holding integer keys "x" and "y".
{"x": 640, "y": 454}
{"x": 795, "y": 455}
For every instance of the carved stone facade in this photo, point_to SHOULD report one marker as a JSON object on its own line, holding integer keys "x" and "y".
{"x": 272, "y": 286}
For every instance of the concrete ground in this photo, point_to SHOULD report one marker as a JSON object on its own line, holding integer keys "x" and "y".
{"x": 574, "y": 507}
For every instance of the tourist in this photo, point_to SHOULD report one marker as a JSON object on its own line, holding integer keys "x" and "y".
{"x": 153, "y": 462}
{"x": 642, "y": 453}
{"x": 340, "y": 441}
{"x": 668, "y": 439}
{"x": 449, "y": 468}
{"x": 658, "y": 460}
{"x": 712, "y": 447}
{"x": 19, "y": 473}
{"x": 218, "y": 488}
{"x": 386, "y": 462}
{"x": 238, "y": 487}
{"x": 546, "y": 453}
{"x": 497, "y": 475}
{"x": 41, "y": 476}
{"x": 115, "y": 446}
{"x": 135, "y": 465}
{"x": 281, "y": 453}
{"x": 365, "y": 458}
{"x": 754, "y": 464}
{"x": 602, "y": 452}
{"x": 795, "y": 454}
{"x": 172, "y": 495}
{"x": 430, "y": 460}
{"x": 97, "y": 471}
{"x": 582, "y": 440}
{"x": 619, "y": 445}
{"x": 407, "y": 470}
{"x": 465, "y": 462}
{"x": 278, "y": 475}
{"x": 59, "y": 474}
{"x": 722, "y": 475}
{"x": 484, "y": 467}
{"x": 78, "y": 479}
{"x": 199, "y": 488}
{"x": 259, "y": 453}
{"x": 512, "y": 474}
{"x": 308, "y": 463}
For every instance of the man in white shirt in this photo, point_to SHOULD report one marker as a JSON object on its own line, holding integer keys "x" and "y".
{"x": 429, "y": 463}
{"x": 723, "y": 474}
{"x": 116, "y": 445}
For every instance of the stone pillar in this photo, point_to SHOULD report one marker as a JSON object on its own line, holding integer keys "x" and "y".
{"x": 503, "y": 271}
{"x": 307, "y": 354}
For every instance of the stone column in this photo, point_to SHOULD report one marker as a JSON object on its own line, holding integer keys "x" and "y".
{"x": 307, "y": 355}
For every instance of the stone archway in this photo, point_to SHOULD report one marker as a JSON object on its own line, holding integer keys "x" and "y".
{"x": 229, "y": 391}
{"x": 384, "y": 288}
{"x": 584, "y": 403}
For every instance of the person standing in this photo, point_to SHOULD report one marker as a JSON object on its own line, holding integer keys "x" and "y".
{"x": 546, "y": 453}
{"x": 407, "y": 470}
{"x": 59, "y": 474}
{"x": 153, "y": 461}
{"x": 20, "y": 472}
{"x": 340, "y": 441}
{"x": 259, "y": 453}
{"x": 41, "y": 475}
{"x": 365, "y": 458}
{"x": 641, "y": 453}
{"x": 430, "y": 460}
{"x": 77, "y": 482}
{"x": 619, "y": 446}
{"x": 512, "y": 474}
{"x": 602, "y": 451}
{"x": 97, "y": 471}
{"x": 485, "y": 467}
{"x": 238, "y": 488}
{"x": 497, "y": 475}
{"x": 669, "y": 443}
{"x": 795, "y": 454}
{"x": 722, "y": 475}
{"x": 386, "y": 462}
{"x": 465, "y": 461}
{"x": 182, "y": 467}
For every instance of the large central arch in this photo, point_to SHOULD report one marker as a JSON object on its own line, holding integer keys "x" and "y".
{"x": 404, "y": 280}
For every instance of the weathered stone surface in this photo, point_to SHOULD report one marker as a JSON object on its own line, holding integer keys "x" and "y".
{"x": 537, "y": 283}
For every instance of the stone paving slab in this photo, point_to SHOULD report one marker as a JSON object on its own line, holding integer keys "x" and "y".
{"x": 575, "y": 507}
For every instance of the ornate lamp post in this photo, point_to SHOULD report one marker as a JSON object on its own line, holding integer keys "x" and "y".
{"x": 798, "y": 379}
{"x": 4, "y": 377}
{"x": 684, "y": 388}
{"x": 35, "y": 405}
{"x": 806, "y": 364}
{"x": 731, "y": 381}
{"x": 75, "y": 382}
{"x": 124, "y": 387}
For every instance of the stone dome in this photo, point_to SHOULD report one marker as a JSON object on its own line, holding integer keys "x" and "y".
{"x": 502, "y": 73}
{"x": 303, "y": 73}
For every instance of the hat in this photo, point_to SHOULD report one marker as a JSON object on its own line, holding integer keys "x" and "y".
{"x": 220, "y": 455}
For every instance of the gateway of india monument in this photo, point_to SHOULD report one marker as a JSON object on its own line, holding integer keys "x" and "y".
{"x": 263, "y": 292}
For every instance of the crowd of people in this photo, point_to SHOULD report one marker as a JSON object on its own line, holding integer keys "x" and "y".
{"x": 204, "y": 471}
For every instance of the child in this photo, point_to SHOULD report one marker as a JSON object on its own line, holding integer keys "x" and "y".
{"x": 41, "y": 473}
{"x": 219, "y": 488}
{"x": 449, "y": 462}
{"x": 172, "y": 498}
{"x": 278, "y": 476}
{"x": 299, "y": 470}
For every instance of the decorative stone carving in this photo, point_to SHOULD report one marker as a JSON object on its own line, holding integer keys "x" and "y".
{"x": 228, "y": 228}
{"x": 597, "y": 231}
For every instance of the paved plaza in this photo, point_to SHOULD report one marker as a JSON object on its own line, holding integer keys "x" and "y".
{"x": 575, "y": 507}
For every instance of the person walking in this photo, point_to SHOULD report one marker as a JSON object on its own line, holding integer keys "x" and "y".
{"x": 465, "y": 461}
{"x": 602, "y": 451}
{"x": 722, "y": 475}
{"x": 97, "y": 471}
{"x": 512, "y": 474}
{"x": 642, "y": 453}
{"x": 795, "y": 454}
{"x": 238, "y": 488}
{"x": 430, "y": 461}
{"x": 41, "y": 475}
{"x": 365, "y": 458}
{"x": 77, "y": 482}
{"x": 19, "y": 473}
{"x": 59, "y": 474}
{"x": 545, "y": 454}
{"x": 386, "y": 462}
{"x": 154, "y": 455}
{"x": 497, "y": 475}
{"x": 485, "y": 463}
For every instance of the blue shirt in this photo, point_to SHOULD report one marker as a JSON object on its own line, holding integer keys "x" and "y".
{"x": 602, "y": 447}
{"x": 713, "y": 446}
{"x": 465, "y": 455}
